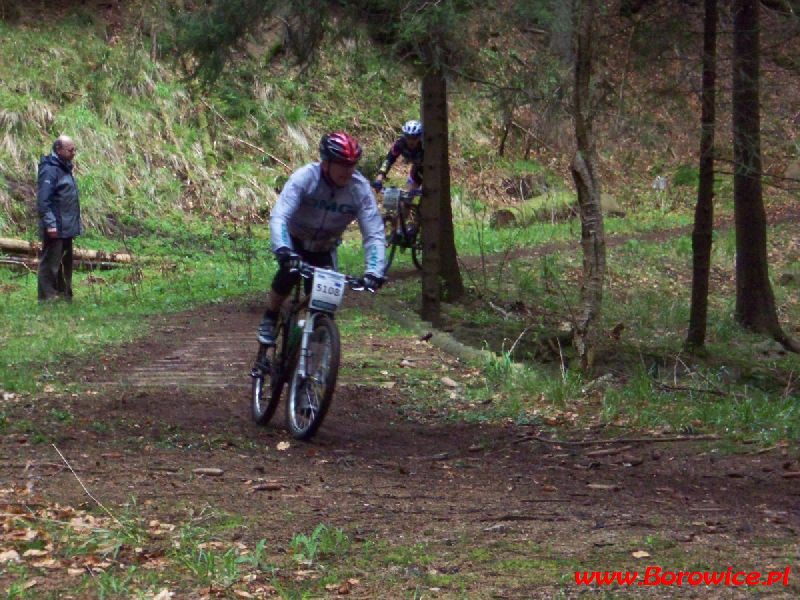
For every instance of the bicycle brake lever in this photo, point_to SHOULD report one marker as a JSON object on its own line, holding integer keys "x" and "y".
{"x": 305, "y": 271}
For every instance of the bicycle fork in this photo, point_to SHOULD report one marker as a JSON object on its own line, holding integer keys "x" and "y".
{"x": 302, "y": 360}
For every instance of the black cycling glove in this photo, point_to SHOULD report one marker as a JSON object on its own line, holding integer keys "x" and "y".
{"x": 288, "y": 259}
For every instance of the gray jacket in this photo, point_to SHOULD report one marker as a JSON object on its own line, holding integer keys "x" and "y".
{"x": 316, "y": 212}
{"x": 57, "y": 198}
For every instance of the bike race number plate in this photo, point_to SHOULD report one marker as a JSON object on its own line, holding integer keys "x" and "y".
{"x": 327, "y": 290}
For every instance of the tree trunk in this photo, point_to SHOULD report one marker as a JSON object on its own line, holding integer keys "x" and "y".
{"x": 755, "y": 302}
{"x": 583, "y": 173}
{"x": 704, "y": 210}
{"x": 562, "y": 31}
{"x": 441, "y": 276}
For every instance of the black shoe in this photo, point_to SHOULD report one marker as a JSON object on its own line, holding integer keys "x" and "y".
{"x": 266, "y": 331}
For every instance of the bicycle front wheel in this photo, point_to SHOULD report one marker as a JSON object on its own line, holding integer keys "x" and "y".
{"x": 416, "y": 243}
{"x": 269, "y": 377}
{"x": 390, "y": 231}
{"x": 310, "y": 396}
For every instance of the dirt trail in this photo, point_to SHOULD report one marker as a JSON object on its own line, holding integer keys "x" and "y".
{"x": 159, "y": 409}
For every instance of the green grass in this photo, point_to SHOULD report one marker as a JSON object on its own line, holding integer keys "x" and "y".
{"x": 39, "y": 338}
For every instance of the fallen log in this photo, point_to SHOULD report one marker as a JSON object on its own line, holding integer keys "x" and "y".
{"x": 32, "y": 264}
{"x": 34, "y": 248}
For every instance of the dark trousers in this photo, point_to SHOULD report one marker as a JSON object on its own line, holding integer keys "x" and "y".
{"x": 55, "y": 269}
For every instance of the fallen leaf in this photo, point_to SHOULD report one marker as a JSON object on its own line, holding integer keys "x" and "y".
{"x": 603, "y": 486}
{"x": 608, "y": 451}
{"x": 640, "y": 554}
{"x": 283, "y": 446}
{"x": 449, "y": 382}
{"x": 24, "y": 535}
{"x": 271, "y": 486}
{"x": 211, "y": 471}
{"x": 47, "y": 563}
{"x": 9, "y": 556}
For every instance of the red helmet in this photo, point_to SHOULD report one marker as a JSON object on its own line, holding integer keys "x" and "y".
{"x": 339, "y": 147}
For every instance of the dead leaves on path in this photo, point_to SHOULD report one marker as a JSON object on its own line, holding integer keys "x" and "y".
{"x": 61, "y": 544}
{"x": 32, "y": 532}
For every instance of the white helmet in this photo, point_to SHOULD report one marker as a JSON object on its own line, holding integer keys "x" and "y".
{"x": 412, "y": 128}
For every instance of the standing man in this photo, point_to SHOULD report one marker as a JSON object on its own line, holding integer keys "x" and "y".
{"x": 59, "y": 220}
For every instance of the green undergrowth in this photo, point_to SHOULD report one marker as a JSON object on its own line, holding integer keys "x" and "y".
{"x": 743, "y": 386}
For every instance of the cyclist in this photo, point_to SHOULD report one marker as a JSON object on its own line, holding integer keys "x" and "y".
{"x": 409, "y": 146}
{"x": 317, "y": 203}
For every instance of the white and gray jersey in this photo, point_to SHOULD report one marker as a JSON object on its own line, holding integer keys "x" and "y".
{"x": 316, "y": 212}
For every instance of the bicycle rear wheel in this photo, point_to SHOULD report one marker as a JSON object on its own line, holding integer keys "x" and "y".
{"x": 269, "y": 377}
{"x": 390, "y": 231}
{"x": 311, "y": 396}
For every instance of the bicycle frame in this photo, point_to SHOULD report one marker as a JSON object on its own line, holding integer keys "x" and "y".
{"x": 400, "y": 209}
{"x": 398, "y": 205}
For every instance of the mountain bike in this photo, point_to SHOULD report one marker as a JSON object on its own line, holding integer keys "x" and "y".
{"x": 305, "y": 354}
{"x": 401, "y": 224}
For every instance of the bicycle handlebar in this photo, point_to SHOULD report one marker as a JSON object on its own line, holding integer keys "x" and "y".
{"x": 356, "y": 284}
{"x": 404, "y": 194}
